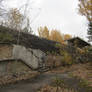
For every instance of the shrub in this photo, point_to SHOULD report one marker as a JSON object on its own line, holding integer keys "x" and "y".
{"x": 67, "y": 58}
{"x": 90, "y": 49}
{"x": 85, "y": 54}
{"x": 57, "y": 82}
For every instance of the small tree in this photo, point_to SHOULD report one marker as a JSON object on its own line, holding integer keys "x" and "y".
{"x": 57, "y": 36}
{"x": 15, "y": 19}
{"x": 43, "y": 32}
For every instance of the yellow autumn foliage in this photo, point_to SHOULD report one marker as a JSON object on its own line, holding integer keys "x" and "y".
{"x": 54, "y": 35}
{"x": 85, "y": 8}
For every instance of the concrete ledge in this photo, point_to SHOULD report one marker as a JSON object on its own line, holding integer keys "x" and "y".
{"x": 2, "y": 60}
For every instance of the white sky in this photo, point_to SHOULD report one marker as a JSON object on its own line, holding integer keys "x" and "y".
{"x": 55, "y": 14}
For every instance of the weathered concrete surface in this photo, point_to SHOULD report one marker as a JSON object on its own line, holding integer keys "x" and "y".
{"x": 13, "y": 67}
{"x": 32, "y": 57}
{"x": 5, "y": 51}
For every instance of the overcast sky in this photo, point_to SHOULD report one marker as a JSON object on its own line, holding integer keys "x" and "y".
{"x": 55, "y": 14}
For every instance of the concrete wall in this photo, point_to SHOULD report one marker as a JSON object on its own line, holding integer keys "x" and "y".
{"x": 5, "y": 51}
{"x": 31, "y": 57}
{"x": 12, "y": 67}
{"x": 3, "y": 68}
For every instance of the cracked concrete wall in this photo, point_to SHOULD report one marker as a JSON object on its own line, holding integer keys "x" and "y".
{"x": 32, "y": 57}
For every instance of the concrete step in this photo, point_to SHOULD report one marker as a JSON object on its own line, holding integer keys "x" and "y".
{"x": 43, "y": 69}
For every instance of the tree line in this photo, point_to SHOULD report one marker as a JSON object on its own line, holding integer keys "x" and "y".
{"x": 53, "y": 34}
{"x": 14, "y": 19}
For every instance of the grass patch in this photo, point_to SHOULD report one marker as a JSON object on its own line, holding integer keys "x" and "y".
{"x": 85, "y": 83}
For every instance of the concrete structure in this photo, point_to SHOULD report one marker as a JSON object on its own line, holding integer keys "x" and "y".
{"x": 12, "y": 66}
{"x": 32, "y": 58}
{"x": 5, "y": 51}
{"x": 78, "y": 42}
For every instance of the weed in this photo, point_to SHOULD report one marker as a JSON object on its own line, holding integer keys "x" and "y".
{"x": 83, "y": 83}
{"x": 57, "y": 82}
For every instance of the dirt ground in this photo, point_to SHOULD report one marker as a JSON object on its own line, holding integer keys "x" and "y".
{"x": 66, "y": 74}
{"x": 40, "y": 81}
{"x": 83, "y": 71}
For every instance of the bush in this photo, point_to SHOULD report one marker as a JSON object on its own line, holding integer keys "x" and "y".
{"x": 85, "y": 54}
{"x": 67, "y": 58}
{"x": 66, "y": 55}
{"x": 90, "y": 49}
{"x": 57, "y": 82}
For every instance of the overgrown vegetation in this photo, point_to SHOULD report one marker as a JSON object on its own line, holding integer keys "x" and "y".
{"x": 4, "y": 37}
{"x": 68, "y": 55}
{"x": 57, "y": 85}
{"x": 29, "y": 40}
{"x": 57, "y": 82}
{"x": 49, "y": 88}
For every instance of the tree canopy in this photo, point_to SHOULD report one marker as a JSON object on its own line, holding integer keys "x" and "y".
{"x": 85, "y": 9}
{"x": 54, "y": 35}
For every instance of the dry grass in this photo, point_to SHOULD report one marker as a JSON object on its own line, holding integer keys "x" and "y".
{"x": 82, "y": 71}
{"x": 13, "y": 79}
{"x": 48, "y": 88}
{"x": 53, "y": 61}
